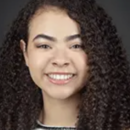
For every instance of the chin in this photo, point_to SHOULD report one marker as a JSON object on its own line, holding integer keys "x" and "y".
{"x": 61, "y": 95}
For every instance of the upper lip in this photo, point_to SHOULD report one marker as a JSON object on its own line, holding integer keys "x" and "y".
{"x": 61, "y": 73}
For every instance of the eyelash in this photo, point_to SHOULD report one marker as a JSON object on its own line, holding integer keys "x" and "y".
{"x": 80, "y": 46}
{"x": 45, "y": 45}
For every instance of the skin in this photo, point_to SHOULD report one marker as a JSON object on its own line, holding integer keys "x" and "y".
{"x": 54, "y": 45}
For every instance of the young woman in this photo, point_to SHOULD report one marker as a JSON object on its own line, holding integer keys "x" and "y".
{"x": 63, "y": 67}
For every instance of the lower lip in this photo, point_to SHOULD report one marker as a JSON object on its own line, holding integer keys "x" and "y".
{"x": 60, "y": 82}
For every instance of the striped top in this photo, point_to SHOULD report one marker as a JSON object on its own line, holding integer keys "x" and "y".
{"x": 40, "y": 126}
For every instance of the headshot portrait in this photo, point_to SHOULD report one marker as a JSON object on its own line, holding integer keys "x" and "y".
{"x": 63, "y": 66}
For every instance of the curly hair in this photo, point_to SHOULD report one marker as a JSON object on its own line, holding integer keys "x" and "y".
{"x": 106, "y": 95}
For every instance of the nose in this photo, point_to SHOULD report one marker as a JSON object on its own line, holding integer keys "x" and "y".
{"x": 61, "y": 59}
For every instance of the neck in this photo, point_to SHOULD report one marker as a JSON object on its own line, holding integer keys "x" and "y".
{"x": 60, "y": 112}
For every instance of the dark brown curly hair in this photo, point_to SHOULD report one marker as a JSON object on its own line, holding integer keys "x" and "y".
{"x": 106, "y": 95}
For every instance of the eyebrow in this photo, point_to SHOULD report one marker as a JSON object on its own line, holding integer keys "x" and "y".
{"x": 50, "y": 38}
{"x": 72, "y": 37}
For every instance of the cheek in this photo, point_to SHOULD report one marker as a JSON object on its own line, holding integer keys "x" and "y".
{"x": 81, "y": 65}
{"x": 81, "y": 60}
{"x": 38, "y": 60}
{"x": 85, "y": 65}
{"x": 34, "y": 60}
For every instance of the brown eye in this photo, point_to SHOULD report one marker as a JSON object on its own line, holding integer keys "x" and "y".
{"x": 77, "y": 46}
{"x": 45, "y": 46}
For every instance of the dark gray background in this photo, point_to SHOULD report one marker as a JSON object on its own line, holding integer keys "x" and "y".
{"x": 119, "y": 10}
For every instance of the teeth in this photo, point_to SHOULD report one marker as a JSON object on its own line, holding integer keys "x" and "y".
{"x": 60, "y": 77}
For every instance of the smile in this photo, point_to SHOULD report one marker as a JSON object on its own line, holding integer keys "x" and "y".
{"x": 60, "y": 79}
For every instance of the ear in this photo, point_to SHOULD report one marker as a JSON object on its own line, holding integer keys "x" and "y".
{"x": 24, "y": 50}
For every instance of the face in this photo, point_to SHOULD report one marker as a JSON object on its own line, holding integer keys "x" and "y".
{"x": 54, "y": 56}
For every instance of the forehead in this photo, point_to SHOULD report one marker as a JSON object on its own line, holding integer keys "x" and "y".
{"x": 54, "y": 23}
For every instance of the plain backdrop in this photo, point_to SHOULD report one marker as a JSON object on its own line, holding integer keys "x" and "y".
{"x": 119, "y": 10}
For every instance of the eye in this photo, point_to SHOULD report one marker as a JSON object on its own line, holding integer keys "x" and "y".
{"x": 45, "y": 46}
{"x": 77, "y": 46}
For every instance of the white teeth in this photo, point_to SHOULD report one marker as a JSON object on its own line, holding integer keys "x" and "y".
{"x": 60, "y": 77}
